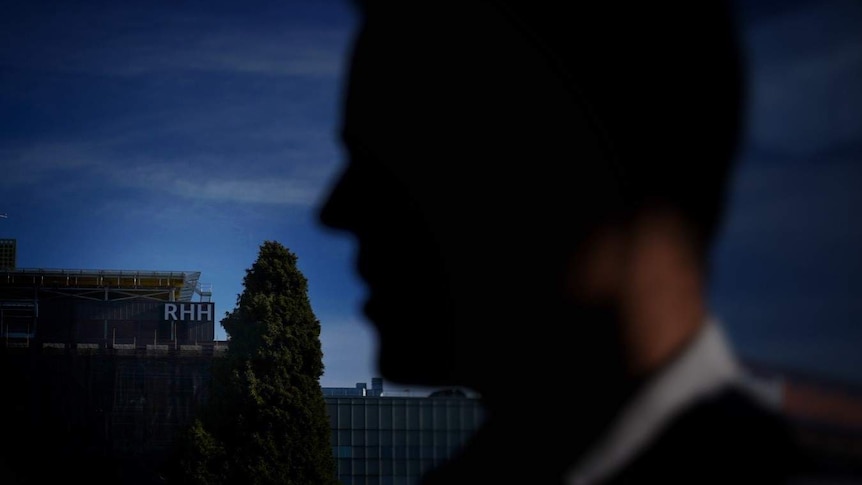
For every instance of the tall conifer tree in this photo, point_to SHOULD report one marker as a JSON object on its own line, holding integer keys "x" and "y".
{"x": 266, "y": 420}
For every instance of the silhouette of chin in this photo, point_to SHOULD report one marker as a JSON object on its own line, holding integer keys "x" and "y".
{"x": 415, "y": 343}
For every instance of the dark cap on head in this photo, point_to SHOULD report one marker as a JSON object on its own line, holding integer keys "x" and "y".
{"x": 662, "y": 84}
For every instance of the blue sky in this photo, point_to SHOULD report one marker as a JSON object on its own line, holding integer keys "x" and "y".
{"x": 180, "y": 135}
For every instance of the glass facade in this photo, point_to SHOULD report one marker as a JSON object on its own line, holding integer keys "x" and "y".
{"x": 7, "y": 253}
{"x": 394, "y": 440}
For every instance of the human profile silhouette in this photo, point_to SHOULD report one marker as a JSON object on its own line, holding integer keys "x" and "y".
{"x": 534, "y": 191}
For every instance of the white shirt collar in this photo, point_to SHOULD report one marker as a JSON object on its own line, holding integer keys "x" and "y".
{"x": 705, "y": 366}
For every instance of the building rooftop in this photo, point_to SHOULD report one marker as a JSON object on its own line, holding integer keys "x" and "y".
{"x": 182, "y": 285}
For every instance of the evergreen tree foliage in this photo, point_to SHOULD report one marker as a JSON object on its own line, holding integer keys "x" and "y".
{"x": 265, "y": 422}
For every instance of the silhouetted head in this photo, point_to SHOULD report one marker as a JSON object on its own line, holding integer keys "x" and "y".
{"x": 487, "y": 144}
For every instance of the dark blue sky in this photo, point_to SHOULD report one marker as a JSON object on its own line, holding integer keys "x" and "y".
{"x": 180, "y": 135}
{"x": 787, "y": 269}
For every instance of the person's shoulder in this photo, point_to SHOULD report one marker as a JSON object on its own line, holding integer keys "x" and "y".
{"x": 727, "y": 437}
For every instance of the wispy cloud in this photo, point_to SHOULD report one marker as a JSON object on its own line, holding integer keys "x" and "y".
{"x": 287, "y": 190}
{"x": 309, "y": 54}
{"x": 76, "y": 168}
{"x": 806, "y": 69}
{"x": 774, "y": 201}
{"x": 214, "y": 107}
{"x": 30, "y": 166}
{"x": 130, "y": 39}
{"x": 265, "y": 191}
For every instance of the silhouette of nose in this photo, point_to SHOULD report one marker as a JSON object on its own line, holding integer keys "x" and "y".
{"x": 344, "y": 202}
{"x": 332, "y": 214}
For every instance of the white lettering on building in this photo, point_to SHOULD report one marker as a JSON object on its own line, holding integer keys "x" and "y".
{"x": 189, "y": 312}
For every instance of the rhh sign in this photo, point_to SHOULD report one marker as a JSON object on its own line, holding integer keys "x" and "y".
{"x": 188, "y": 312}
